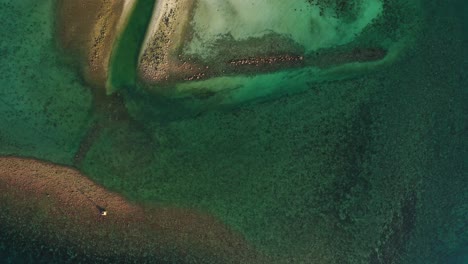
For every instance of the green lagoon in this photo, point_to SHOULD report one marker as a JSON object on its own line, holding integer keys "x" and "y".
{"x": 354, "y": 150}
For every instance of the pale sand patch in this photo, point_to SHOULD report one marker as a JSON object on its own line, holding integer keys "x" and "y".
{"x": 64, "y": 205}
{"x": 90, "y": 28}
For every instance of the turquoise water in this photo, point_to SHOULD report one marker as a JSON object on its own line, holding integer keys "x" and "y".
{"x": 367, "y": 169}
{"x": 305, "y": 24}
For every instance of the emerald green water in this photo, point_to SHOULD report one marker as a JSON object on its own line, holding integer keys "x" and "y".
{"x": 124, "y": 59}
{"x": 369, "y": 169}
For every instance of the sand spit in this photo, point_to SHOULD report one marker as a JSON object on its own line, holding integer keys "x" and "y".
{"x": 89, "y": 28}
{"x": 65, "y": 206}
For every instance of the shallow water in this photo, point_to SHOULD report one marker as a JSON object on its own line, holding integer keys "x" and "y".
{"x": 304, "y": 23}
{"x": 311, "y": 31}
{"x": 365, "y": 169}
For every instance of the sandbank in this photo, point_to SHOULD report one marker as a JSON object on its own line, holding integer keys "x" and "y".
{"x": 64, "y": 205}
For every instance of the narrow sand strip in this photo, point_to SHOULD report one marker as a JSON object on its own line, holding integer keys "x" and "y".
{"x": 64, "y": 205}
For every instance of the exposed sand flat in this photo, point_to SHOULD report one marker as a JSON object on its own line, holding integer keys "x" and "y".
{"x": 66, "y": 206}
{"x": 90, "y": 28}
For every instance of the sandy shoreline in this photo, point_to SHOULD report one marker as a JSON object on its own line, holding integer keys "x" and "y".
{"x": 66, "y": 206}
